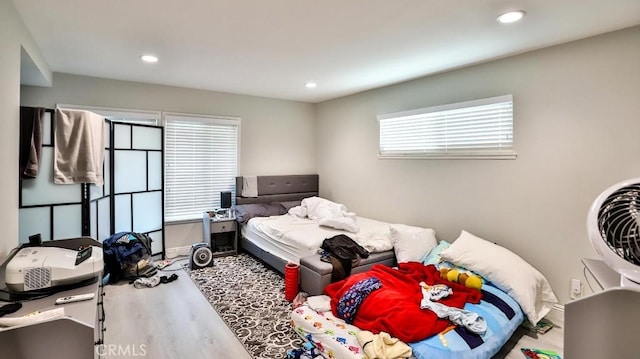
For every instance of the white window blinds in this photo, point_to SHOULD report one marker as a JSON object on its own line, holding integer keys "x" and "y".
{"x": 480, "y": 128}
{"x": 201, "y": 160}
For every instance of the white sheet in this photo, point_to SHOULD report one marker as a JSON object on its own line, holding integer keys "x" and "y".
{"x": 291, "y": 238}
{"x": 327, "y": 213}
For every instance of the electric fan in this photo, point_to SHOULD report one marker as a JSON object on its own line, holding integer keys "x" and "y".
{"x": 613, "y": 226}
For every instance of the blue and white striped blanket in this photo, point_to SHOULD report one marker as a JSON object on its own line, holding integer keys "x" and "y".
{"x": 503, "y": 316}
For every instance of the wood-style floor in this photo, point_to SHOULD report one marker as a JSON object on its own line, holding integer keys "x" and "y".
{"x": 174, "y": 320}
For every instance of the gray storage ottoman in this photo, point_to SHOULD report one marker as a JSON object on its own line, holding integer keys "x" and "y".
{"x": 316, "y": 274}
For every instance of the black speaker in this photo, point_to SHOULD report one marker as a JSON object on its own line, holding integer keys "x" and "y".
{"x": 201, "y": 256}
{"x": 225, "y": 199}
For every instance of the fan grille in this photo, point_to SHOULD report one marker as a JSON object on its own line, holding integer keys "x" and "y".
{"x": 618, "y": 222}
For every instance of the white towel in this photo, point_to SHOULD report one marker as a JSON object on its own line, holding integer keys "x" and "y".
{"x": 79, "y": 147}
{"x": 249, "y": 186}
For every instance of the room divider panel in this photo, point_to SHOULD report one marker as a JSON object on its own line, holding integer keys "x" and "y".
{"x": 137, "y": 182}
{"x": 130, "y": 200}
{"x": 54, "y": 211}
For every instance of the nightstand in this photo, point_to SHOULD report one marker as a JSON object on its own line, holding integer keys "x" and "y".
{"x": 220, "y": 233}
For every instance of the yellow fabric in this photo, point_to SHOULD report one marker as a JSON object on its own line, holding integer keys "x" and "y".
{"x": 382, "y": 346}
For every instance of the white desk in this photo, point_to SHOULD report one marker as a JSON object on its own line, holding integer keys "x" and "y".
{"x": 602, "y": 325}
{"x": 73, "y": 336}
{"x": 604, "y": 276}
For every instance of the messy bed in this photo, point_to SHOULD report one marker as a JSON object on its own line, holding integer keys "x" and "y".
{"x": 283, "y": 220}
{"x": 463, "y": 300}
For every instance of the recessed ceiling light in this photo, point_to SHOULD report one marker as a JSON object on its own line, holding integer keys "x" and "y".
{"x": 149, "y": 58}
{"x": 511, "y": 16}
{"x": 310, "y": 85}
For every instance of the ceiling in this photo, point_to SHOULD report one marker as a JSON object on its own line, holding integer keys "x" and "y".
{"x": 271, "y": 48}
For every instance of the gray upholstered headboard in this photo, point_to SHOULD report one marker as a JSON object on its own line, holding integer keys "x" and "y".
{"x": 280, "y": 188}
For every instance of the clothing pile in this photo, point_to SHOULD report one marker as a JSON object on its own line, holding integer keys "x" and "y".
{"x": 127, "y": 255}
{"x": 342, "y": 252}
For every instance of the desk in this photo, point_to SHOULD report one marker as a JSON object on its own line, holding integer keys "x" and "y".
{"x": 73, "y": 336}
{"x": 604, "y": 276}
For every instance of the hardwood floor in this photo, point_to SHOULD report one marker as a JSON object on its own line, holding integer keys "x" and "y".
{"x": 174, "y": 320}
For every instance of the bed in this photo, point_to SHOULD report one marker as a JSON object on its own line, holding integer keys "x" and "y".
{"x": 277, "y": 238}
{"x": 512, "y": 290}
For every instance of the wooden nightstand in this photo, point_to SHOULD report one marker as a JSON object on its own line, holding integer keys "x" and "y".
{"x": 220, "y": 233}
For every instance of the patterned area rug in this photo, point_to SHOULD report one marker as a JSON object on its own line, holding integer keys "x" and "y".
{"x": 249, "y": 297}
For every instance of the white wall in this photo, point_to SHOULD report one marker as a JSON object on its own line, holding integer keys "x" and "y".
{"x": 277, "y": 136}
{"x": 576, "y": 119}
{"x": 13, "y": 37}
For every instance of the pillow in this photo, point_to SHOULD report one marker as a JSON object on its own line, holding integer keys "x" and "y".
{"x": 433, "y": 257}
{"x": 411, "y": 243}
{"x": 244, "y": 212}
{"x": 506, "y": 270}
{"x": 290, "y": 204}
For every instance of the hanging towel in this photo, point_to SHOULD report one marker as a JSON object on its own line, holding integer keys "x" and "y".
{"x": 249, "y": 186}
{"x": 79, "y": 147}
{"x": 30, "y": 141}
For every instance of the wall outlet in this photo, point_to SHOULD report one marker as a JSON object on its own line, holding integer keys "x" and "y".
{"x": 576, "y": 288}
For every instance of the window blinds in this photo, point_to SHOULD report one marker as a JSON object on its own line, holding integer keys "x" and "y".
{"x": 468, "y": 129}
{"x": 201, "y": 156}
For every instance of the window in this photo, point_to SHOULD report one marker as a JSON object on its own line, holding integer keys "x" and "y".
{"x": 473, "y": 129}
{"x": 201, "y": 160}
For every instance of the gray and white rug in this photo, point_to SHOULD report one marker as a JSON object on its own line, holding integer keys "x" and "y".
{"x": 249, "y": 297}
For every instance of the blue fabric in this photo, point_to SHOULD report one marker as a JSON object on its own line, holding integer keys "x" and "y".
{"x": 124, "y": 252}
{"x": 352, "y": 298}
{"x": 499, "y": 329}
{"x": 433, "y": 257}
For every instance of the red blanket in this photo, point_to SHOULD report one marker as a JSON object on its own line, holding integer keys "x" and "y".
{"x": 395, "y": 308}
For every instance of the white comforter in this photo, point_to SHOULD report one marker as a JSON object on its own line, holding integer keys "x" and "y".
{"x": 326, "y": 213}
{"x": 295, "y": 232}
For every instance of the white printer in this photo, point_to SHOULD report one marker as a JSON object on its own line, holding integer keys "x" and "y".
{"x": 40, "y": 267}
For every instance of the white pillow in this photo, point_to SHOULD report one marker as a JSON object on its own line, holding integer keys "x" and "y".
{"x": 506, "y": 270}
{"x": 410, "y": 243}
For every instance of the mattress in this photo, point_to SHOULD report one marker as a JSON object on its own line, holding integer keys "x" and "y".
{"x": 291, "y": 238}
{"x": 336, "y": 339}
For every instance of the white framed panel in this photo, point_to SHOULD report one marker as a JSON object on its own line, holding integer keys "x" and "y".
{"x": 155, "y": 171}
{"x": 46, "y": 128}
{"x": 147, "y": 138}
{"x": 42, "y": 190}
{"x": 147, "y": 211}
{"x": 123, "y": 213}
{"x": 156, "y": 242}
{"x": 104, "y": 219}
{"x": 121, "y": 136}
{"x": 67, "y": 221}
{"x": 95, "y": 191}
{"x": 107, "y": 173}
{"x": 130, "y": 171}
{"x": 93, "y": 220}
{"x": 107, "y": 134}
{"x": 33, "y": 221}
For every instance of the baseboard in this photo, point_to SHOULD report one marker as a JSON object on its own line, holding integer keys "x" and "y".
{"x": 178, "y": 251}
{"x": 556, "y": 314}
